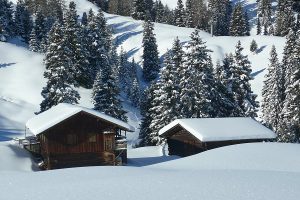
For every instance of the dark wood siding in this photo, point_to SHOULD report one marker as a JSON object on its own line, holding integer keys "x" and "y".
{"x": 182, "y": 143}
{"x": 80, "y": 140}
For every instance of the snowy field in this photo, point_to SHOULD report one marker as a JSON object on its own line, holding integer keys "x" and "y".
{"x": 259, "y": 171}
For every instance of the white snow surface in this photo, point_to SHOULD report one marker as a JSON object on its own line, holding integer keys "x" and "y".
{"x": 222, "y": 129}
{"x": 257, "y": 171}
{"x": 14, "y": 158}
{"x": 171, "y": 3}
{"x": 62, "y": 111}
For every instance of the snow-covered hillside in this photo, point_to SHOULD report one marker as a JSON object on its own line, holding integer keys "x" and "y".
{"x": 21, "y": 71}
{"x": 234, "y": 172}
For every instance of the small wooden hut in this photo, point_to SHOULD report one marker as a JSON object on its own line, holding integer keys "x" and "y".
{"x": 73, "y": 136}
{"x": 190, "y": 136}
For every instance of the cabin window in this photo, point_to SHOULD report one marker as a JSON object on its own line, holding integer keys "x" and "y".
{"x": 92, "y": 137}
{"x": 71, "y": 139}
{"x": 108, "y": 144}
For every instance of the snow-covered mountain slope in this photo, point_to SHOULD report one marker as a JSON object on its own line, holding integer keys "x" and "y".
{"x": 21, "y": 71}
{"x": 178, "y": 179}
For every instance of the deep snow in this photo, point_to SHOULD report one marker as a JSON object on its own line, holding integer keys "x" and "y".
{"x": 248, "y": 171}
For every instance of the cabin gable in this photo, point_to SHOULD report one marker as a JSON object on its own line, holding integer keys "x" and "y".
{"x": 80, "y": 140}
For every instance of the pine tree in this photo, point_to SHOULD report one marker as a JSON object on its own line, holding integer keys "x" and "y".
{"x": 189, "y": 14}
{"x": 179, "y": 14}
{"x": 78, "y": 54}
{"x": 253, "y": 46}
{"x": 241, "y": 87}
{"x": 139, "y": 10}
{"x": 33, "y": 45}
{"x": 105, "y": 94}
{"x": 124, "y": 72}
{"x": 84, "y": 19}
{"x": 159, "y": 9}
{"x": 271, "y": 30}
{"x": 238, "y": 25}
{"x": 23, "y": 21}
{"x": 149, "y": 8}
{"x": 40, "y": 28}
{"x": 6, "y": 20}
{"x": 59, "y": 88}
{"x": 247, "y": 26}
{"x": 135, "y": 94}
{"x": 220, "y": 11}
{"x": 290, "y": 127}
{"x": 272, "y": 104}
{"x": 98, "y": 42}
{"x": 284, "y": 17}
{"x": 150, "y": 53}
{"x": 225, "y": 78}
{"x": 264, "y": 14}
{"x": 258, "y": 27}
{"x": 147, "y": 104}
{"x": 166, "y": 102}
{"x": 198, "y": 94}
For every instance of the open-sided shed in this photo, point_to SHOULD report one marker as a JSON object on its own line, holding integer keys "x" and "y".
{"x": 72, "y": 136}
{"x": 190, "y": 136}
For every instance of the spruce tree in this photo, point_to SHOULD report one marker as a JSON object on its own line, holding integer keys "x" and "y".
{"x": 272, "y": 104}
{"x": 40, "y": 28}
{"x": 139, "y": 10}
{"x": 290, "y": 126}
{"x": 105, "y": 94}
{"x": 33, "y": 45}
{"x": 238, "y": 26}
{"x": 189, "y": 14}
{"x": 23, "y": 21}
{"x": 6, "y": 20}
{"x": 220, "y": 12}
{"x": 150, "y": 53}
{"x": 60, "y": 82}
{"x": 264, "y": 14}
{"x": 84, "y": 19}
{"x": 124, "y": 72}
{"x": 198, "y": 94}
{"x": 179, "y": 14}
{"x": 135, "y": 94}
{"x": 78, "y": 54}
{"x": 147, "y": 103}
{"x": 258, "y": 27}
{"x": 253, "y": 46}
{"x": 284, "y": 17}
{"x": 241, "y": 87}
{"x": 159, "y": 12}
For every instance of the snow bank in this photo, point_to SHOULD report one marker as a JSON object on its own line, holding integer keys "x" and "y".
{"x": 165, "y": 181}
{"x": 14, "y": 158}
{"x": 251, "y": 156}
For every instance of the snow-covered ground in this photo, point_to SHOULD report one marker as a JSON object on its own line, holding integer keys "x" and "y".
{"x": 257, "y": 171}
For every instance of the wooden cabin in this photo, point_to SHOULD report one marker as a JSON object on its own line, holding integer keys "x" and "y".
{"x": 186, "y": 137}
{"x": 73, "y": 136}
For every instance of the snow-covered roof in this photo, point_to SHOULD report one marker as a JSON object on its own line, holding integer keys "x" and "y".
{"x": 62, "y": 111}
{"x": 221, "y": 129}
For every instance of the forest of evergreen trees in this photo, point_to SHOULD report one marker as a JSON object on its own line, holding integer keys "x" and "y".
{"x": 80, "y": 52}
{"x": 221, "y": 15}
